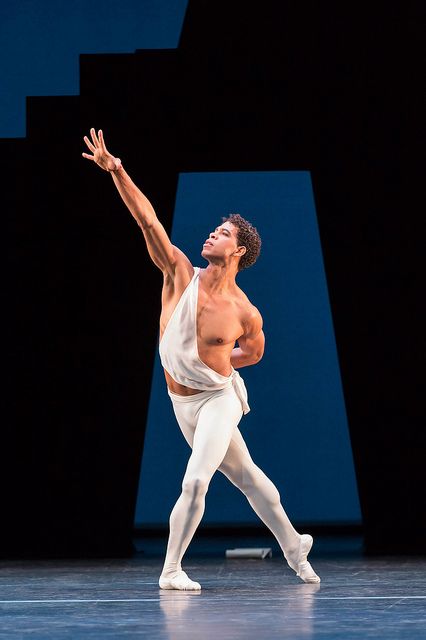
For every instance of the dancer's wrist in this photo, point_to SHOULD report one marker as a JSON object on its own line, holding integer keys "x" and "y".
{"x": 117, "y": 166}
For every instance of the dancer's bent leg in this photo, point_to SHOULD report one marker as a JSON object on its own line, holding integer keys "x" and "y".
{"x": 215, "y": 416}
{"x": 264, "y": 498}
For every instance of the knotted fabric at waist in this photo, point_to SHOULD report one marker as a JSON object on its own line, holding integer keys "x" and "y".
{"x": 235, "y": 381}
{"x": 240, "y": 389}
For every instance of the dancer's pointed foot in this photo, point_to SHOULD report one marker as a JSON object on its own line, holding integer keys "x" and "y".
{"x": 180, "y": 582}
{"x": 299, "y": 563}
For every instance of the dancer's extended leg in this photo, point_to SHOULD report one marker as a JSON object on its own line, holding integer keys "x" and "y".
{"x": 215, "y": 419}
{"x": 264, "y": 498}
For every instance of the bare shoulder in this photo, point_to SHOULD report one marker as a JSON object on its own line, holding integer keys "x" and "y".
{"x": 175, "y": 282}
{"x": 181, "y": 273}
{"x": 183, "y": 267}
{"x": 251, "y": 317}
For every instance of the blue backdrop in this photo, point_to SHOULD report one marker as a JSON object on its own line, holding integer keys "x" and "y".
{"x": 297, "y": 430}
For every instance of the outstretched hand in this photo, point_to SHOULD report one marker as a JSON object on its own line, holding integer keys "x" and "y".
{"x": 101, "y": 156}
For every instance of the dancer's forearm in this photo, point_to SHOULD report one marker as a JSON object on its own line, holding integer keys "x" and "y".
{"x": 241, "y": 359}
{"x": 138, "y": 204}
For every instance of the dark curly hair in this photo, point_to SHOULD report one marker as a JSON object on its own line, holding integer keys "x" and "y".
{"x": 248, "y": 237}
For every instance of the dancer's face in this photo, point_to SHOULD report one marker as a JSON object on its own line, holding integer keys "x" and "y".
{"x": 221, "y": 243}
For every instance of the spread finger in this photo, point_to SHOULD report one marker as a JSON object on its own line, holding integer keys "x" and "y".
{"x": 89, "y": 144}
{"x": 101, "y": 140}
{"x": 94, "y": 138}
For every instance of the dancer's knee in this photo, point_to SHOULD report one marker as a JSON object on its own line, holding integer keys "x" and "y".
{"x": 195, "y": 487}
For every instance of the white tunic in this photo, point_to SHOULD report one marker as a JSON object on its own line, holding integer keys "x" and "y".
{"x": 179, "y": 350}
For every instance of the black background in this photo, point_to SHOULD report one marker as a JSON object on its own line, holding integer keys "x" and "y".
{"x": 332, "y": 88}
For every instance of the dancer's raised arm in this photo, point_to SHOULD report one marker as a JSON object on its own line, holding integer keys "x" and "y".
{"x": 162, "y": 252}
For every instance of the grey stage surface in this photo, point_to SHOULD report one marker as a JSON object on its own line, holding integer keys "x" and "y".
{"x": 100, "y": 599}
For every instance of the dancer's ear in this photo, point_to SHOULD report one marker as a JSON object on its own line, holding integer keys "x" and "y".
{"x": 240, "y": 251}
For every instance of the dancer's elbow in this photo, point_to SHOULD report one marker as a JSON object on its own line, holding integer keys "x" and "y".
{"x": 255, "y": 356}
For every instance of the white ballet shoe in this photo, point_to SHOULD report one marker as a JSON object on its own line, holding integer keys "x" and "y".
{"x": 180, "y": 582}
{"x": 301, "y": 566}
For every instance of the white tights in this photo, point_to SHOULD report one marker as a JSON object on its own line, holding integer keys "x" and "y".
{"x": 208, "y": 421}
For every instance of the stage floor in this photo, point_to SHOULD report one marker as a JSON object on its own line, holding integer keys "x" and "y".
{"x": 100, "y": 599}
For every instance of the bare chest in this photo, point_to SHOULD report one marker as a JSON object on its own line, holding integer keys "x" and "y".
{"x": 218, "y": 320}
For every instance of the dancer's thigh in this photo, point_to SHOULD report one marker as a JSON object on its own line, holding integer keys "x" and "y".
{"x": 217, "y": 420}
{"x": 238, "y": 465}
{"x": 187, "y": 420}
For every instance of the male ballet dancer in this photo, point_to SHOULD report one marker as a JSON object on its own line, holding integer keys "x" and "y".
{"x": 203, "y": 314}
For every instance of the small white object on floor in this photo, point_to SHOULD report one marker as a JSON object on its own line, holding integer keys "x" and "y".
{"x": 254, "y": 552}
